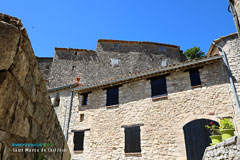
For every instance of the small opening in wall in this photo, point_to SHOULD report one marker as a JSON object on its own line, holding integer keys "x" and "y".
{"x": 115, "y": 47}
{"x": 81, "y": 117}
{"x": 56, "y": 101}
{"x": 161, "y": 48}
{"x": 73, "y": 67}
{"x": 84, "y": 99}
{"x": 75, "y": 53}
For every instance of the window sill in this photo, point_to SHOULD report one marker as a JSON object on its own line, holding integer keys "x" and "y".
{"x": 137, "y": 154}
{"x": 197, "y": 86}
{"x": 78, "y": 152}
{"x": 154, "y": 99}
{"x": 112, "y": 106}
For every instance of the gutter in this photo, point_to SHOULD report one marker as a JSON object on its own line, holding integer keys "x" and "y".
{"x": 235, "y": 18}
{"x": 229, "y": 76}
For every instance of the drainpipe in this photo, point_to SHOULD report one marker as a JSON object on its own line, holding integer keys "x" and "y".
{"x": 64, "y": 121}
{"x": 69, "y": 116}
{"x": 230, "y": 77}
{"x": 235, "y": 18}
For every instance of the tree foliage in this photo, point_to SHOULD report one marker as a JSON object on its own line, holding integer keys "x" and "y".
{"x": 194, "y": 52}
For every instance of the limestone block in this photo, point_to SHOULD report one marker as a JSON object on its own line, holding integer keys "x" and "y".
{"x": 8, "y": 44}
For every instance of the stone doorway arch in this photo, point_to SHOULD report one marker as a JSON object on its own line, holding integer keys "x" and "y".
{"x": 197, "y": 138}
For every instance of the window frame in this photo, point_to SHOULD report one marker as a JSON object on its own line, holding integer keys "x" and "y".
{"x": 81, "y": 147}
{"x": 159, "y": 86}
{"x": 132, "y": 142}
{"x": 195, "y": 78}
{"x": 84, "y": 99}
{"x": 112, "y": 96}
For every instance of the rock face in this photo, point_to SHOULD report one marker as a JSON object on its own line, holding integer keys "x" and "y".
{"x": 26, "y": 113}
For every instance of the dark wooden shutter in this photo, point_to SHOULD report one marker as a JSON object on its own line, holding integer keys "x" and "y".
{"x": 197, "y": 138}
{"x": 112, "y": 96}
{"x": 78, "y": 140}
{"x": 195, "y": 77}
{"x": 159, "y": 86}
{"x": 132, "y": 140}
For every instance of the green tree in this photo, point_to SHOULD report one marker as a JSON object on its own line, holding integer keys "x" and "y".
{"x": 194, "y": 52}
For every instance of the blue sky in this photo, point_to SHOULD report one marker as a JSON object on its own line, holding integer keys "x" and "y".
{"x": 80, "y": 23}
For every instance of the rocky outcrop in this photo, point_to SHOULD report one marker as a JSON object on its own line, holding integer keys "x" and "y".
{"x": 26, "y": 113}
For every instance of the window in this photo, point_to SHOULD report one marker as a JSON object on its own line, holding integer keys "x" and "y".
{"x": 132, "y": 140}
{"x": 73, "y": 67}
{"x": 115, "y": 47}
{"x": 56, "y": 100}
{"x": 159, "y": 86}
{"x": 195, "y": 77}
{"x": 112, "y": 96}
{"x": 161, "y": 48}
{"x": 78, "y": 140}
{"x": 114, "y": 62}
{"x": 85, "y": 99}
{"x": 81, "y": 117}
{"x": 164, "y": 62}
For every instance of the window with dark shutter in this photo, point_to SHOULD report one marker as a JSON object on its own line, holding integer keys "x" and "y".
{"x": 195, "y": 77}
{"x": 78, "y": 140}
{"x": 85, "y": 99}
{"x": 112, "y": 96}
{"x": 132, "y": 140}
{"x": 159, "y": 86}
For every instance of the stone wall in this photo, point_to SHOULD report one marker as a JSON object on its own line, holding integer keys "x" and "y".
{"x": 45, "y": 64}
{"x": 26, "y": 113}
{"x": 228, "y": 149}
{"x": 162, "y": 134}
{"x": 237, "y": 8}
{"x": 231, "y": 46}
{"x": 107, "y": 63}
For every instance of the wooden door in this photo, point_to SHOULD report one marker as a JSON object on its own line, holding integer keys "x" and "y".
{"x": 197, "y": 138}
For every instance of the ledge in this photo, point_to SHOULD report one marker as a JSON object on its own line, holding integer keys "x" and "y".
{"x": 112, "y": 106}
{"x": 154, "y": 99}
{"x": 78, "y": 152}
{"x": 197, "y": 86}
{"x": 137, "y": 154}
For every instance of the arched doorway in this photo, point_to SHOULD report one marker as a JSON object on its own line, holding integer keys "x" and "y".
{"x": 197, "y": 138}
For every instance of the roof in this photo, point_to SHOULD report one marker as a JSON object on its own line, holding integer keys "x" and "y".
{"x": 44, "y": 57}
{"x": 74, "y": 49}
{"x": 217, "y": 41}
{"x": 148, "y": 74}
{"x": 138, "y": 42}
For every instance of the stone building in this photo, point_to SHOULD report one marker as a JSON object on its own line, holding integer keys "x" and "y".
{"x": 141, "y": 100}
{"x": 144, "y": 100}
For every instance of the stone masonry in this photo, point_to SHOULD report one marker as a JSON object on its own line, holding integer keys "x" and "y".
{"x": 26, "y": 113}
{"x": 236, "y": 4}
{"x": 111, "y": 59}
{"x": 228, "y": 149}
{"x": 231, "y": 46}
